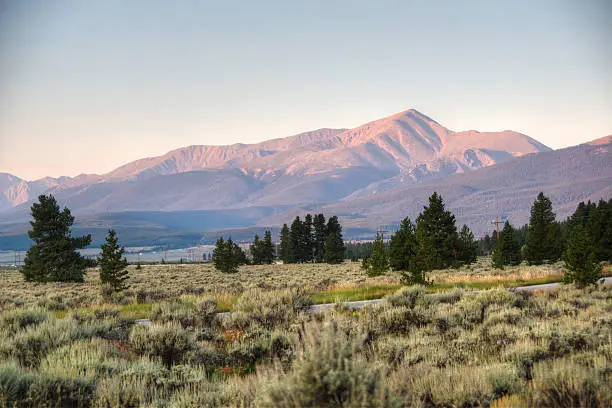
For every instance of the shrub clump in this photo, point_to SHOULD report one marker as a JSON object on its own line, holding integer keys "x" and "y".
{"x": 170, "y": 342}
{"x": 329, "y": 372}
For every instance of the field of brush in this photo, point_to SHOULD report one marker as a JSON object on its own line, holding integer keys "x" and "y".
{"x": 441, "y": 346}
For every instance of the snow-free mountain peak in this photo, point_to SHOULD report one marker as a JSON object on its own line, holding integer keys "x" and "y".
{"x": 310, "y": 167}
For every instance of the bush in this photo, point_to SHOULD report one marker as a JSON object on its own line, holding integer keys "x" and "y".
{"x": 329, "y": 373}
{"x": 14, "y": 385}
{"x": 169, "y": 342}
{"x": 21, "y": 389}
{"x": 92, "y": 358}
{"x": 563, "y": 383}
{"x": 53, "y": 391}
{"x": 406, "y": 296}
{"x": 29, "y": 346}
{"x": 271, "y": 309}
{"x": 17, "y": 319}
{"x": 188, "y": 315}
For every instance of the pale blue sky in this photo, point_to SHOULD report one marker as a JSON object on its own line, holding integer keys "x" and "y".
{"x": 86, "y": 86}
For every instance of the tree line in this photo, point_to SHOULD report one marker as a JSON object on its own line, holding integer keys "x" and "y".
{"x": 312, "y": 240}
{"x": 583, "y": 241}
{"x": 432, "y": 242}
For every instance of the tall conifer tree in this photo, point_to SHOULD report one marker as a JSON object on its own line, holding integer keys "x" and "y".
{"x": 267, "y": 251}
{"x": 113, "y": 265}
{"x": 403, "y": 247}
{"x": 334, "y": 242}
{"x": 378, "y": 263}
{"x": 53, "y": 257}
{"x": 466, "y": 246}
{"x": 508, "y": 249}
{"x": 438, "y": 233}
{"x": 542, "y": 241}
{"x": 286, "y": 251}
{"x": 320, "y": 232}
{"x": 580, "y": 260}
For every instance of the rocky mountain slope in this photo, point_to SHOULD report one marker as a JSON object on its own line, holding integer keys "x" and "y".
{"x": 314, "y": 167}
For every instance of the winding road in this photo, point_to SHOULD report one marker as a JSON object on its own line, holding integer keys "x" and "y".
{"x": 362, "y": 303}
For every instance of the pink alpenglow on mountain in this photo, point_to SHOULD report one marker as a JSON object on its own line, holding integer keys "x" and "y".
{"x": 313, "y": 167}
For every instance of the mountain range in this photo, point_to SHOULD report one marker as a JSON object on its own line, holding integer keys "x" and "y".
{"x": 371, "y": 175}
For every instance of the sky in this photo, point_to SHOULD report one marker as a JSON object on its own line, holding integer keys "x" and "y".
{"x": 86, "y": 86}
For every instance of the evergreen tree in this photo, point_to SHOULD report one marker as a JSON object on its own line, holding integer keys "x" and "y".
{"x": 580, "y": 260}
{"x": 296, "y": 242}
{"x": 379, "y": 261}
{"x": 404, "y": 246}
{"x": 267, "y": 250}
{"x": 320, "y": 232}
{"x": 466, "y": 246}
{"x": 426, "y": 258}
{"x": 220, "y": 255}
{"x": 599, "y": 230}
{"x": 508, "y": 249}
{"x": 439, "y": 232}
{"x": 334, "y": 243}
{"x": 286, "y": 251}
{"x": 113, "y": 265}
{"x": 238, "y": 255}
{"x": 542, "y": 241}
{"x": 53, "y": 257}
{"x": 308, "y": 238}
{"x": 256, "y": 251}
{"x": 228, "y": 256}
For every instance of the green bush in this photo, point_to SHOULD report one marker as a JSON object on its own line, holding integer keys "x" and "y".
{"x": 30, "y": 345}
{"x": 272, "y": 309}
{"x": 91, "y": 358}
{"x": 329, "y": 373}
{"x": 188, "y": 315}
{"x": 170, "y": 342}
{"x": 17, "y": 319}
{"x": 22, "y": 389}
{"x": 563, "y": 383}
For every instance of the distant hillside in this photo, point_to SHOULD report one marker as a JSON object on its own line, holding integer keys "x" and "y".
{"x": 567, "y": 176}
{"x": 313, "y": 167}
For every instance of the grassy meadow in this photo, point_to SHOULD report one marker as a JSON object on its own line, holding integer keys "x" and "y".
{"x": 64, "y": 345}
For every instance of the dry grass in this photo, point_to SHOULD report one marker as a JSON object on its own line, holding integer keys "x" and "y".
{"x": 422, "y": 349}
{"x": 328, "y": 283}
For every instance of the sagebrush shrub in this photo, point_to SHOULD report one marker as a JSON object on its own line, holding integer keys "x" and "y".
{"x": 170, "y": 342}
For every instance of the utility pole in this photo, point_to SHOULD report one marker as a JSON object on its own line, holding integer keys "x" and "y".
{"x": 496, "y": 223}
{"x": 198, "y": 254}
{"x": 382, "y": 231}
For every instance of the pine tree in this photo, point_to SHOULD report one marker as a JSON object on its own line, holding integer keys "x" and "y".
{"x": 308, "y": 238}
{"x": 113, "y": 266}
{"x": 334, "y": 243}
{"x": 267, "y": 250}
{"x": 466, "y": 246}
{"x": 542, "y": 240}
{"x": 256, "y": 250}
{"x": 378, "y": 263}
{"x": 228, "y": 256}
{"x": 439, "y": 231}
{"x": 580, "y": 260}
{"x": 220, "y": 255}
{"x": 296, "y": 242}
{"x": 320, "y": 233}
{"x": 508, "y": 249}
{"x": 286, "y": 250}
{"x": 403, "y": 247}
{"x": 238, "y": 256}
{"x": 599, "y": 230}
{"x": 53, "y": 257}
